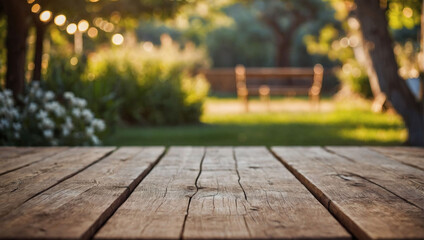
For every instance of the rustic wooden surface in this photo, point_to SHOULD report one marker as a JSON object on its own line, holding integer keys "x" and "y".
{"x": 212, "y": 193}
{"x": 372, "y": 196}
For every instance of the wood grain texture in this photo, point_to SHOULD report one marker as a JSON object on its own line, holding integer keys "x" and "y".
{"x": 20, "y": 185}
{"x": 158, "y": 206}
{"x": 412, "y": 156}
{"x": 402, "y": 180}
{"x": 78, "y": 206}
{"x": 245, "y": 193}
{"x": 12, "y": 158}
{"x": 366, "y": 208}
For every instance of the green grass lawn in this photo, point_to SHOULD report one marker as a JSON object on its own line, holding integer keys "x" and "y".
{"x": 344, "y": 124}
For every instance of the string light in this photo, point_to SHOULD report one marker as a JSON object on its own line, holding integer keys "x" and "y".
{"x": 35, "y": 8}
{"x": 83, "y": 25}
{"x": 60, "y": 20}
{"x": 45, "y": 16}
{"x": 71, "y": 29}
{"x": 117, "y": 39}
{"x": 92, "y": 32}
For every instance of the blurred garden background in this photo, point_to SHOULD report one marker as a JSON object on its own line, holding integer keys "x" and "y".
{"x": 135, "y": 72}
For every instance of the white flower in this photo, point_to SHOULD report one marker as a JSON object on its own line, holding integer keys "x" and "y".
{"x": 35, "y": 85}
{"x": 48, "y": 133}
{"x": 87, "y": 114}
{"x": 68, "y": 95}
{"x": 7, "y": 93}
{"x": 89, "y": 131}
{"x": 68, "y": 123}
{"x": 17, "y": 126}
{"x": 49, "y": 95}
{"x": 98, "y": 124}
{"x": 38, "y": 93}
{"x": 65, "y": 131}
{"x": 9, "y": 102}
{"x": 54, "y": 142}
{"x": 16, "y": 135}
{"x": 48, "y": 123}
{"x": 56, "y": 108}
{"x": 80, "y": 102}
{"x": 14, "y": 112}
{"x": 41, "y": 114}
{"x": 95, "y": 140}
{"x": 76, "y": 112}
{"x": 32, "y": 107}
{"x": 5, "y": 123}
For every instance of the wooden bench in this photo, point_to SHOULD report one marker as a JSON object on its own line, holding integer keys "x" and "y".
{"x": 296, "y": 81}
{"x": 212, "y": 193}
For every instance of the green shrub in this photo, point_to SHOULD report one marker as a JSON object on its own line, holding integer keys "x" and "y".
{"x": 153, "y": 85}
{"x": 143, "y": 85}
{"x": 62, "y": 76}
{"x": 355, "y": 77}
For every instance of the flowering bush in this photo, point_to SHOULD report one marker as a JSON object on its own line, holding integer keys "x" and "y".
{"x": 44, "y": 120}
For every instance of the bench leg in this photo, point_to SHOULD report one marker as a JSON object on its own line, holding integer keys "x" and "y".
{"x": 244, "y": 97}
{"x": 264, "y": 94}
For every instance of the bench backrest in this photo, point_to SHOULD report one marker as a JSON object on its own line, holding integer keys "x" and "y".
{"x": 263, "y": 75}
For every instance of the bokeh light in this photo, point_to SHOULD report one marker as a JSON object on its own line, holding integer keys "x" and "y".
{"x": 92, "y": 32}
{"x": 83, "y": 25}
{"x": 148, "y": 46}
{"x": 35, "y": 8}
{"x": 407, "y": 12}
{"x": 71, "y": 29}
{"x": 117, "y": 39}
{"x": 60, "y": 20}
{"x": 45, "y": 16}
{"x": 73, "y": 61}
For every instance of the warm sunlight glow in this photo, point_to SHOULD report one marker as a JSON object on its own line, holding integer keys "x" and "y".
{"x": 117, "y": 39}
{"x": 92, "y": 32}
{"x": 74, "y": 61}
{"x": 35, "y": 8}
{"x": 59, "y": 20}
{"x": 45, "y": 16}
{"x": 71, "y": 29}
{"x": 83, "y": 25}
{"x": 148, "y": 46}
{"x": 407, "y": 12}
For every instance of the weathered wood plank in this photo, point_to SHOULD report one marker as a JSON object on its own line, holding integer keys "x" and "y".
{"x": 158, "y": 206}
{"x": 12, "y": 158}
{"x": 20, "y": 185}
{"x": 412, "y": 156}
{"x": 245, "y": 193}
{"x": 78, "y": 206}
{"x": 364, "y": 207}
{"x": 402, "y": 180}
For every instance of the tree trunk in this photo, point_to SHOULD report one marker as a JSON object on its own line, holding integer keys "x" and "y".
{"x": 283, "y": 51}
{"x": 17, "y": 32}
{"x": 421, "y": 58}
{"x": 378, "y": 45}
{"x": 38, "y": 56}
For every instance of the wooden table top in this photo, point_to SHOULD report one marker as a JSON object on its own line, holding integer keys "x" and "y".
{"x": 212, "y": 193}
